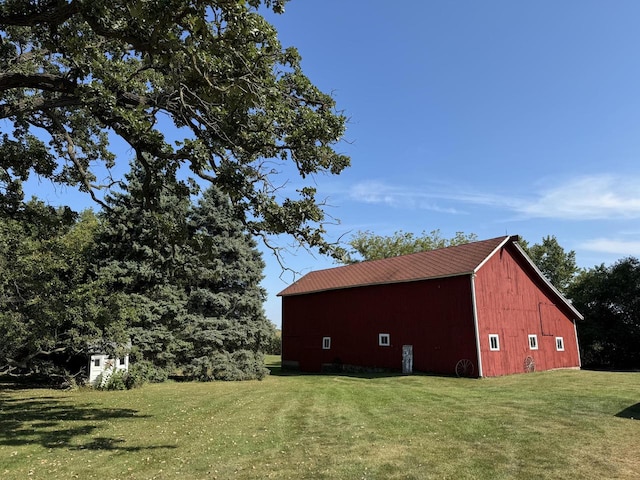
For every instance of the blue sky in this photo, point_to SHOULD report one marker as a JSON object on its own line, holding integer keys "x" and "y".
{"x": 493, "y": 118}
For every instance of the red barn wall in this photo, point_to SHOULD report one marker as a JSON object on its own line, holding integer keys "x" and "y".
{"x": 514, "y": 303}
{"x": 434, "y": 316}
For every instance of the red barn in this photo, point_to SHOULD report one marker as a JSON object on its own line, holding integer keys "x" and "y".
{"x": 482, "y": 309}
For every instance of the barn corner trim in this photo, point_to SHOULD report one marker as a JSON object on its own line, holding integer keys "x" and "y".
{"x": 474, "y": 308}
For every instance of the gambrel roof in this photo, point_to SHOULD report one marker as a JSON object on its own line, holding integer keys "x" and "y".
{"x": 445, "y": 262}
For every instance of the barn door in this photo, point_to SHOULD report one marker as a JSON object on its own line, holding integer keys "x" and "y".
{"x": 407, "y": 359}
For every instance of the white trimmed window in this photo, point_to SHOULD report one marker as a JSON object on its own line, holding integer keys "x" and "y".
{"x": 494, "y": 342}
{"x": 326, "y": 343}
{"x": 384, "y": 339}
{"x": 533, "y": 342}
{"x": 560, "y": 344}
{"x": 96, "y": 362}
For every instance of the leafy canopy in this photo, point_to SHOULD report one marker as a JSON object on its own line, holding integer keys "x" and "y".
{"x": 369, "y": 246}
{"x": 554, "y": 262}
{"x": 609, "y": 299}
{"x": 213, "y": 73}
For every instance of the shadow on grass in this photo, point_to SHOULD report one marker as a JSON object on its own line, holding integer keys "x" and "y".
{"x": 55, "y": 422}
{"x": 632, "y": 412}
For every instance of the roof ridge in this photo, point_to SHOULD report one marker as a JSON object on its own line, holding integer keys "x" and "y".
{"x": 402, "y": 268}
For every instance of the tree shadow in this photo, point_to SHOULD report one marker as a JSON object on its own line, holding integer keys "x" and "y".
{"x": 632, "y": 412}
{"x": 54, "y": 422}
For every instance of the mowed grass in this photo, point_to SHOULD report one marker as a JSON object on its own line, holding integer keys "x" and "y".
{"x": 548, "y": 425}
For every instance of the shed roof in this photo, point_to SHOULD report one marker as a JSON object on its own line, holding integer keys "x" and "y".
{"x": 444, "y": 262}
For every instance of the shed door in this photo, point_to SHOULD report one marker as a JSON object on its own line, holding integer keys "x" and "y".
{"x": 407, "y": 359}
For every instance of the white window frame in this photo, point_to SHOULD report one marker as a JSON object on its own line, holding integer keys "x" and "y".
{"x": 533, "y": 342}
{"x": 384, "y": 340}
{"x": 326, "y": 343}
{"x": 496, "y": 337}
{"x": 560, "y": 344}
{"x": 97, "y": 362}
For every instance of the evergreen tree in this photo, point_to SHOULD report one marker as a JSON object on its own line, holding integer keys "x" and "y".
{"x": 188, "y": 276}
{"x": 140, "y": 257}
{"x": 227, "y": 331}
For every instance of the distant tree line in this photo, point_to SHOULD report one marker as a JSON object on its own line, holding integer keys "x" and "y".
{"x": 608, "y": 297}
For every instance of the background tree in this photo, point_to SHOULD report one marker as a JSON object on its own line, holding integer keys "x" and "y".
{"x": 369, "y": 246}
{"x": 50, "y": 310}
{"x": 212, "y": 72}
{"x": 609, "y": 299}
{"x": 557, "y": 265}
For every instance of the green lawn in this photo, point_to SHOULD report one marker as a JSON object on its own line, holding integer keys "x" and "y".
{"x": 555, "y": 425}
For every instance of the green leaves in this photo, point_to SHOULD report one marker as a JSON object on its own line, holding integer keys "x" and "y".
{"x": 215, "y": 68}
{"x": 558, "y": 266}
{"x": 369, "y": 246}
{"x": 609, "y": 299}
{"x": 191, "y": 274}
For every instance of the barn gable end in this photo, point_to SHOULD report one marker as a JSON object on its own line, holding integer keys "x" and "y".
{"x": 515, "y": 303}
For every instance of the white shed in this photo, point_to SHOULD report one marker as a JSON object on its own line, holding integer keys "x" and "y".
{"x": 102, "y": 366}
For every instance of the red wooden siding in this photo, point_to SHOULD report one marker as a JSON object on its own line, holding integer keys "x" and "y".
{"x": 435, "y": 316}
{"x": 514, "y": 303}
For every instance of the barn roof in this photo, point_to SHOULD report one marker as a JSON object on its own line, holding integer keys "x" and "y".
{"x": 444, "y": 262}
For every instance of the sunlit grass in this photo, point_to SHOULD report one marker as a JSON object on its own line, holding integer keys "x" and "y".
{"x": 562, "y": 424}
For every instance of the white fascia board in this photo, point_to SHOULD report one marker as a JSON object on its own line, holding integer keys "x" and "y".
{"x": 506, "y": 240}
{"x": 549, "y": 284}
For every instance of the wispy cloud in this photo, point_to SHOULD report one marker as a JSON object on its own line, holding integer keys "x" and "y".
{"x": 425, "y": 198}
{"x": 588, "y": 198}
{"x": 613, "y": 246}
{"x": 592, "y": 197}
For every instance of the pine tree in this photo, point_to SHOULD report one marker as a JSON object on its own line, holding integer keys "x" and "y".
{"x": 140, "y": 256}
{"x": 188, "y": 276}
{"x": 227, "y": 330}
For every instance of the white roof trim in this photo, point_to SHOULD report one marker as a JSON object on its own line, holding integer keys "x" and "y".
{"x": 504, "y": 242}
{"x": 549, "y": 284}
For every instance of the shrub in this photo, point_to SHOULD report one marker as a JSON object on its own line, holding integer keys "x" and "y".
{"x": 239, "y": 365}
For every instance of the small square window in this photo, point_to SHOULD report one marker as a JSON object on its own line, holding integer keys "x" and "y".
{"x": 96, "y": 362}
{"x": 494, "y": 342}
{"x": 326, "y": 343}
{"x": 533, "y": 342}
{"x": 560, "y": 344}
{"x": 384, "y": 339}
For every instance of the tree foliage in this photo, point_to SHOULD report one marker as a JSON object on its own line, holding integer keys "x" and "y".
{"x": 557, "y": 265}
{"x": 189, "y": 276}
{"x": 609, "y": 299}
{"x": 50, "y": 309}
{"x": 369, "y": 246}
{"x": 212, "y": 72}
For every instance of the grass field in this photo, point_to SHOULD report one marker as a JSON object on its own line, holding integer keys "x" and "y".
{"x": 551, "y": 425}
